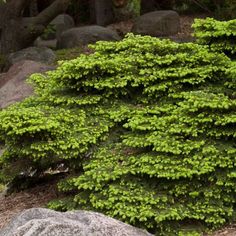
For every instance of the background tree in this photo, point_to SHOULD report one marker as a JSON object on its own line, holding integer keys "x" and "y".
{"x": 126, "y": 9}
{"x": 17, "y": 31}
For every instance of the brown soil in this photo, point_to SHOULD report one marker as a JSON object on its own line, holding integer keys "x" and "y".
{"x": 227, "y": 231}
{"x": 35, "y": 197}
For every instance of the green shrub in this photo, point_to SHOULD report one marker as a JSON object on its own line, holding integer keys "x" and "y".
{"x": 152, "y": 122}
{"x": 219, "y": 35}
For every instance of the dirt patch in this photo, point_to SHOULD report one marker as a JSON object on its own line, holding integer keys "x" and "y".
{"x": 227, "y": 231}
{"x": 35, "y": 197}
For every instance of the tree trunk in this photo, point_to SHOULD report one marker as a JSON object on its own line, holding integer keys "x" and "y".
{"x": 33, "y": 8}
{"x": 17, "y": 32}
{"x": 126, "y": 9}
{"x": 101, "y": 12}
{"x": 8, "y": 27}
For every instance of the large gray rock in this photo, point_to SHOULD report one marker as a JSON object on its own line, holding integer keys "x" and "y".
{"x": 57, "y": 26}
{"x": 157, "y": 23}
{"x": 44, "y": 222}
{"x": 81, "y": 36}
{"x": 40, "y": 54}
{"x": 13, "y": 87}
{"x": 39, "y": 42}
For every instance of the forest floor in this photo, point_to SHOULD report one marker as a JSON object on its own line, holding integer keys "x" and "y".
{"x": 15, "y": 203}
{"x": 40, "y": 195}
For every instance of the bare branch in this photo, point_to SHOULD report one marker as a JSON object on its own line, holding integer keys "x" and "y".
{"x": 48, "y": 14}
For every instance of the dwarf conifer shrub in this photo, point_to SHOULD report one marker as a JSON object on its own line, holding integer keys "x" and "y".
{"x": 151, "y": 121}
{"x": 219, "y": 35}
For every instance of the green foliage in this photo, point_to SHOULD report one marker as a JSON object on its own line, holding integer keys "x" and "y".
{"x": 153, "y": 123}
{"x": 225, "y": 9}
{"x": 49, "y": 32}
{"x": 135, "y": 5}
{"x": 124, "y": 10}
{"x": 219, "y": 35}
{"x": 2, "y": 188}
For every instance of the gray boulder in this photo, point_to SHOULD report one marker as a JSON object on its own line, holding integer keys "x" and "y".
{"x": 81, "y": 36}
{"x": 44, "y": 222}
{"x": 40, "y": 54}
{"x": 3, "y": 79}
{"x": 13, "y": 87}
{"x": 157, "y": 23}
{"x": 39, "y": 42}
{"x": 57, "y": 26}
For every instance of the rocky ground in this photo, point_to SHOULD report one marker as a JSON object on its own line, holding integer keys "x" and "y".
{"x": 40, "y": 195}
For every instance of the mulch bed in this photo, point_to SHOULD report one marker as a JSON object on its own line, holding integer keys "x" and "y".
{"x": 17, "y": 202}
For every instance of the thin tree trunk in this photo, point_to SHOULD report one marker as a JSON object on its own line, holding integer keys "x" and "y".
{"x": 126, "y": 9}
{"x": 33, "y": 8}
{"x": 47, "y": 15}
{"x": 6, "y": 32}
{"x": 17, "y": 32}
